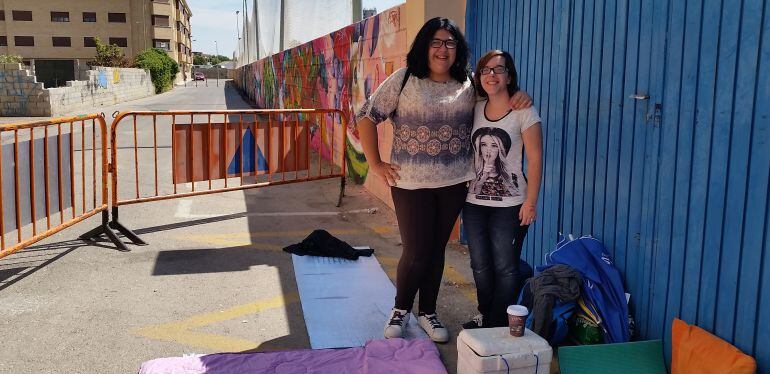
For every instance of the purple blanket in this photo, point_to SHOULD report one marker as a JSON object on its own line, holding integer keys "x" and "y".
{"x": 377, "y": 356}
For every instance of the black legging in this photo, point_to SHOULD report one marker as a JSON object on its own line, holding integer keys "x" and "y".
{"x": 425, "y": 219}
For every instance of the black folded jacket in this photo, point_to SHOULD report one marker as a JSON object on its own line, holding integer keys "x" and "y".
{"x": 321, "y": 243}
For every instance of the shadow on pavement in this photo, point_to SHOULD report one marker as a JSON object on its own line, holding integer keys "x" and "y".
{"x": 297, "y": 337}
{"x": 214, "y": 260}
{"x": 28, "y": 261}
{"x": 179, "y": 225}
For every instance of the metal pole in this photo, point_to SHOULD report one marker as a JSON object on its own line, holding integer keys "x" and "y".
{"x": 256, "y": 28}
{"x": 144, "y": 24}
{"x": 216, "y": 48}
{"x": 246, "y": 30}
{"x": 238, "y": 34}
{"x": 357, "y": 15}
{"x": 283, "y": 9}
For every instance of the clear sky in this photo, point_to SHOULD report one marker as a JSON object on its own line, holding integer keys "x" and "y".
{"x": 216, "y": 21}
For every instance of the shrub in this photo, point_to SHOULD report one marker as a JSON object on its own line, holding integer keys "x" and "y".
{"x": 163, "y": 69}
{"x": 109, "y": 55}
{"x": 10, "y": 59}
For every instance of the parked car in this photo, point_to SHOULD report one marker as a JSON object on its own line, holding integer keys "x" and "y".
{"x": 198, "y": 76}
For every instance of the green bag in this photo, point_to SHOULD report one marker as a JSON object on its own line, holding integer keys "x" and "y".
{"x": 584, "y": 327}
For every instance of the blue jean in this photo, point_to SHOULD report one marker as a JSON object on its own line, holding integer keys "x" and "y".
{"x": 495, "y": 238}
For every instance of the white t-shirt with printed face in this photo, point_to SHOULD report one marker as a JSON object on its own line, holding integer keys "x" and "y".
{"x": 497, "y": 154}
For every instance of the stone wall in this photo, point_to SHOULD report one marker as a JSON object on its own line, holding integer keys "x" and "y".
{"x": 22, "y": 96}
{"x": 104, "y": 86}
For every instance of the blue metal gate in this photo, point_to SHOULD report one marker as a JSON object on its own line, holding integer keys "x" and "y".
{"x": 657, "y": 142}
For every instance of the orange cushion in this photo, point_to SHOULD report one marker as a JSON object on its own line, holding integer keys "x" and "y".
{"x": 695, "y": 350}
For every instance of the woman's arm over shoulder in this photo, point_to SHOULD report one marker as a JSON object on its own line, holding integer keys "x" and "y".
{"x": 520, "y": 100}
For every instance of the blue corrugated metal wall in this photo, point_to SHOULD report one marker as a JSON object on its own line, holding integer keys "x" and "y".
{"x": 676, "y": 185}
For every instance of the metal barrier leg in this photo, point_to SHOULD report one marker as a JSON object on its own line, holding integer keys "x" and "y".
{"x": 104, "y": 228}
{"x": 115, "y": 224}
{"x": 342, "y": 191}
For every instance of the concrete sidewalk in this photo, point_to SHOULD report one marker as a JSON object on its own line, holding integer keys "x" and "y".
{"x": 212, "y": 279}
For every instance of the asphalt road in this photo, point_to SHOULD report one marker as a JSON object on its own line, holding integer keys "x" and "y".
{"x": 212, "y": 278}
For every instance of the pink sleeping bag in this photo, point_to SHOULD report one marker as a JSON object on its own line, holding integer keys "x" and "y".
{"x": 377, "y": 356}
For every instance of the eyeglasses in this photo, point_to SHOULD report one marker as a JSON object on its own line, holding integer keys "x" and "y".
{"x": 449, "y": 43}
{"x": 499, "y": 69}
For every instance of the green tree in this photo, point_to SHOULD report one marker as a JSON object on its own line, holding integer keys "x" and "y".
{"x": 10, "y": 59}
{"x": 109, "y": 55}
{"x": 199, "y": 60}
{"x": 209, "y": 59}
{"x": 163, "y": 69}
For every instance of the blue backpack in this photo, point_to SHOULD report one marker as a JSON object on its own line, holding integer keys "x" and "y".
{"x": 602, "y": 289}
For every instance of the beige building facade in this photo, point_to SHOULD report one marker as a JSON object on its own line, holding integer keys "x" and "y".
{"x": 55, "y": 37}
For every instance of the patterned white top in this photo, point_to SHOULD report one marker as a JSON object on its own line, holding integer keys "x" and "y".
{"x": 432, "y": 122}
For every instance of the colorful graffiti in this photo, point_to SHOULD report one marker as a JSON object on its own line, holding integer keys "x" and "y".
{"x": 102, "y": 79}
{"x": 339, "y": 70}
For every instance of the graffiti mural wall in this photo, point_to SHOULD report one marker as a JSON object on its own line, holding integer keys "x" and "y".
{"x": 339, "y": 70}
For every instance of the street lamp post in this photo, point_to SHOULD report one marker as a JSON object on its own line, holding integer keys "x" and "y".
{"x": 246, "y": 32}
{"x": 238, "y": 34}
{"x": 216, "y": 49}
{"x": 193, "y": 64}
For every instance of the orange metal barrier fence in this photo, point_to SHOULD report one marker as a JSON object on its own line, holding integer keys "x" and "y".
{"x": 60, "y": 167}
{"x": 54, "y": 175}
{"x": 173, "y": 154}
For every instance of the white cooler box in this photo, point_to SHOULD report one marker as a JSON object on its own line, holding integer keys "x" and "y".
{"x": 488, "y": 351}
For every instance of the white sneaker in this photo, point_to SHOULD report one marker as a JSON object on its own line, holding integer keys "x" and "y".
{"x": 436, "y": 331}
{"x": 396, "y": 324}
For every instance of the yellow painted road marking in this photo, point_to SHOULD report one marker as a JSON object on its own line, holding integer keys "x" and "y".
{"x": 181, "y": 331}
{"x": 383, "y": 229}
{"x": 224, "y": 241}
{"x": 243, "y": 239}
{"x": 454, "y": 276}
{"x": 283, "y": 234}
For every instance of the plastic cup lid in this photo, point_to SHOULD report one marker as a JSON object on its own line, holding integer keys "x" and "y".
{"x": 518, "y": 310}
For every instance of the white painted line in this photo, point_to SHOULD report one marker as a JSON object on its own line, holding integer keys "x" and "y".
{"x": 184, "y": 210}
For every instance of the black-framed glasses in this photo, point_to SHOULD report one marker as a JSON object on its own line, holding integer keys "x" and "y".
{"x": 449, "y": 43}
{"x": 499, "y": 69}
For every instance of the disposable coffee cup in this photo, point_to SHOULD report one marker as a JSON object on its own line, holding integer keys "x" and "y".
{"x": 517, "y": 318}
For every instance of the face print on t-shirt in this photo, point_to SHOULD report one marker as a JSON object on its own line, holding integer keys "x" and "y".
{"x": 494, "y": 179}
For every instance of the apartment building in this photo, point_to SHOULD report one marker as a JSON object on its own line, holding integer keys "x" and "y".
{"x": 57, "y": 37}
